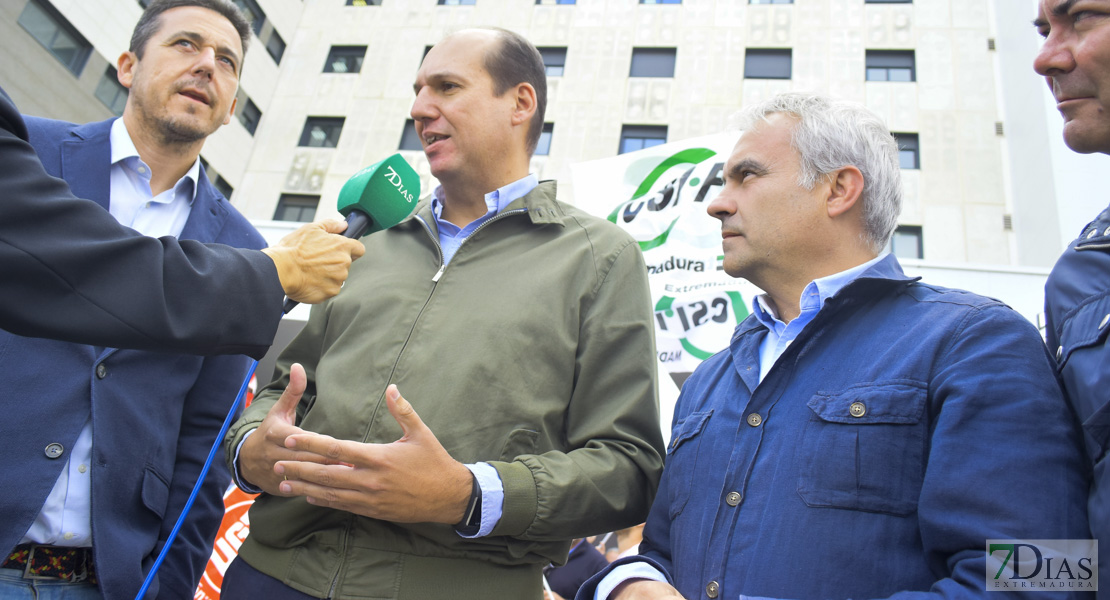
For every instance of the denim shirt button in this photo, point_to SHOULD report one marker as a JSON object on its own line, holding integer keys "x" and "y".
{"x": 733, "y": 498}
{"x": 712, "y": 589}
{"x": 857, "y": 409}
{"x": 754, "y": 419}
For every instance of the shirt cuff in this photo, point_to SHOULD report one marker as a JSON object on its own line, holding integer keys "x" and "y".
{"x": 493, "y": 497}
{"x": 622, "y": 573}
{"x": 236, "y": 475}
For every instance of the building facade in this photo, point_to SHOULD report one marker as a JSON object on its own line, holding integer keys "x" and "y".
{"x": 327, "y": 87}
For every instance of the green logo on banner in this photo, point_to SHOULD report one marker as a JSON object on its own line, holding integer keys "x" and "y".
{"x": 700, "y": 313}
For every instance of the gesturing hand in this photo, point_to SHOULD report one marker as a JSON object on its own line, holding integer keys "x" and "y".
{"x": 412, "y": 480}
{"x": 266, "y": 445}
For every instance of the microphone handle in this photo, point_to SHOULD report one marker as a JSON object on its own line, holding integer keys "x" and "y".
{"x": 357, "y": 224}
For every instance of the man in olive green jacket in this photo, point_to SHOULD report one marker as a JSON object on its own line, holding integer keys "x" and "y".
{"x": 520, "y": 331}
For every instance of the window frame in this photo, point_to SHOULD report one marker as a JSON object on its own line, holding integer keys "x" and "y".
{"x": 82, "y": 49}
{"x": 555, "y": 53}
{"x": 284, "y": 203}
{"x": 344, "y": 52}
{"x": 908, "y": 142}
{"x": 888, "y": 61}
{"x": 642, "y": 133}
{"x": 768, "y": 53}
{"x": 653, "y": 59}
{"x": 319, "y": 121}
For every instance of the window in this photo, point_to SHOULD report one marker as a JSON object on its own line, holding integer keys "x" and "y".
{"x": 908, "y": 153}
{"x": 455, "y": 2}
{"x": 555, "y": 1}
{"x": 253, "y": 13}
{"x": 249, "y": 115}
{"x": 56, "y": 35}
{"x": 638, "y": 137}
{"x": 767, "y": 63}
{"x": 770, "y": 1}
{"x": 364, "y": 2}
{"x": 321, "y": 132}
{"x": 543, "y": 146}
{"x": 888, "y": 1}
{"x": 554, "y": 60}
{"x": 111, "y": 92}
{"x": 906, "y": 242}
{"x": 345, "y": 59}
{"x": 296, "y": 207}
{"x": 410, "y": 140}
{"x": 652, "y": 62}
{"x": 275, "y": 46}
{"x": 223, "y": 186}
{"x": 890, "y": 65}
{"x": 660, "y": 1}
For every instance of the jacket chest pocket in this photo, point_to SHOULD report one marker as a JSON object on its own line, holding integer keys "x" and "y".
{"x": 864, "y": 448}
{"x": 1083, "y": 359}
{"x": 682, "y": 458}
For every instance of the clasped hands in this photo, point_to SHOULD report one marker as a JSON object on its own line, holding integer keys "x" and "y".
{"x": 411, "y": 480}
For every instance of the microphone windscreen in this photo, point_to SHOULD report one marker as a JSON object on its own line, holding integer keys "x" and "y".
{"x": 387, "y": 191}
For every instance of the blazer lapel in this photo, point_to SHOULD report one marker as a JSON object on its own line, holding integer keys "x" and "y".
{"x": 85, "y": 162}
{"x": 208, "y": 215}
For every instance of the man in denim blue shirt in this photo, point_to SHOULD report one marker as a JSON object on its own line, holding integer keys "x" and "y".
{"x": 1075, "y": 61}
{"x": 865, "y": 433}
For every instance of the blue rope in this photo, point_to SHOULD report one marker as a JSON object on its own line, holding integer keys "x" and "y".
{"x": 200, "y": 479}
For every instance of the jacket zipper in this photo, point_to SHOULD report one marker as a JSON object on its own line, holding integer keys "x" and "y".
{"x": 435, "y": 279}
{"x": 439, "y": 248}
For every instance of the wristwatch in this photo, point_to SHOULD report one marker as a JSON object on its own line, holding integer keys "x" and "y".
{"x": 471, "y": 522}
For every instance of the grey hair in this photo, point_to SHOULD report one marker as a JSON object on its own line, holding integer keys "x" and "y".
{"x": 831, "y": 134}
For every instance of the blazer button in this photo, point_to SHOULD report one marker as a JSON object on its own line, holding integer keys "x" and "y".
{"x": 101, "y": 371}
{"x": 54, "y": 450}
{"x": 712, "y": 589}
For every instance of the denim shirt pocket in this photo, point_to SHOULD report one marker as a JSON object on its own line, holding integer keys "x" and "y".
{"x": 1083, "y": 347}
{"x": 682, "y": 457}
{"x": 865, "y": 447}
{"x": 1087, "y": 327}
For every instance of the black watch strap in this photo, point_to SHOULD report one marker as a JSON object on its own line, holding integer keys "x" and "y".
{"x": 471, "y": 522}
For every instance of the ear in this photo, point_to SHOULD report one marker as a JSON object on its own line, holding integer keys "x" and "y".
{"x": 845, "y": 190}
{"x": 230, "y": 110}
{"x": 525, "y": 103}
{"x": 125, "y": 68}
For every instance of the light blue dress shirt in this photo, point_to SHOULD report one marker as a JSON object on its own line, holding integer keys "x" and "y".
{"x": 66, "y": 517}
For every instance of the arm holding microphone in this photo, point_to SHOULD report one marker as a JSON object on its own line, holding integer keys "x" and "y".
{"x": 69, "y": 271}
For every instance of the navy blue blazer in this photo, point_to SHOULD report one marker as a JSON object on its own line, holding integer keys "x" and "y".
{"x": 154, "y": 415}
{"x": 69, "y": 271}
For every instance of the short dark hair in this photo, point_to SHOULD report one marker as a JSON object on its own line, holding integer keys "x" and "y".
{"x": 514, "y": 61}
{"x": 151, "y": 20}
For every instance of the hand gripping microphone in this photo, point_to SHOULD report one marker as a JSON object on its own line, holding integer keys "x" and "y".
{"x": 376, "y": 198}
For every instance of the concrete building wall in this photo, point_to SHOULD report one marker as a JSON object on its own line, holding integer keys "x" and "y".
{"x": 980, "y": 196}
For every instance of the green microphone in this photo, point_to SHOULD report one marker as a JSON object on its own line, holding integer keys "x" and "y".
{"x": 376, "y": 198}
